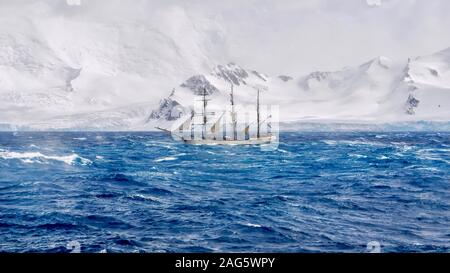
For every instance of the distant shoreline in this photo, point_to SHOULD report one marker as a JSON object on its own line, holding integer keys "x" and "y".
{"x": 295, "y": 126}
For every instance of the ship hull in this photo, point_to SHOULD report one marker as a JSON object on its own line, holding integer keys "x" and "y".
{"x": 252, "y": 141}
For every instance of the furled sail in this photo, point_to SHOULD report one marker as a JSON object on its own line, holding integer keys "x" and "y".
{"x": 247, "y": 132}
{"x": 216, "y": 125}
{"x": 247, "y": 129}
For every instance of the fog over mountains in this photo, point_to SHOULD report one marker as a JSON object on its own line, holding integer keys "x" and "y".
{"x": 114, "y": 66}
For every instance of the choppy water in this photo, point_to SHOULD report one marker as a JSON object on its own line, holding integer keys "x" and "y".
{"x": 127, "y": 192}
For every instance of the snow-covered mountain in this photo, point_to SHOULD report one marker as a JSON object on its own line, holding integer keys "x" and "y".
{"x": 58, "y": 59}
{"x": 90, "y": 70}
{"x": 378, "y": 91}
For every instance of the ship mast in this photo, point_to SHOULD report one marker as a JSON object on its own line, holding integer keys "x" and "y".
{"x": 233, "y": 114}
{"x": 257, "y": 117}
{"x": 192, "y": 124}
{"x": 224, "y": 126}
{"x": 204, "y": 114}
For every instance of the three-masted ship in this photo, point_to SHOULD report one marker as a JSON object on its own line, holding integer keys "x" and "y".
{"x": 212, "y": 135}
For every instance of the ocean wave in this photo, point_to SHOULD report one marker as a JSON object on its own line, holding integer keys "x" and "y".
{"x": 142, "y": 197}
{"x": 167, "y": 145}
{"x": 37, "y": 157}
{"x": 167, "y": 158}
{"x": 432, "y": 155}
{"x": 306, "y": 193}
{"x": 352, "y": 142}
{"x": 330, "y": 142}
{"x": 357, "y": 155}
{"x": 252, "y": 225}
{"x": 419, "y": 167}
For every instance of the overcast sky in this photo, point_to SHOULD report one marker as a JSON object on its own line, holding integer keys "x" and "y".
{"x": 297, "y": 36}
{"x": 300, "y": 36}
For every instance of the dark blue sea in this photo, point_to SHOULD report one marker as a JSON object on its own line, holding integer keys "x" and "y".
{"x": 144, "y": 192}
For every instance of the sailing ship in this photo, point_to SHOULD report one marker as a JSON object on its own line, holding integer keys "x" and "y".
{"x": 210, "y": 135}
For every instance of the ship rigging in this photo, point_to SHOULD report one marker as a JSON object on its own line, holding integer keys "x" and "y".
{"x": 210, "y": 135}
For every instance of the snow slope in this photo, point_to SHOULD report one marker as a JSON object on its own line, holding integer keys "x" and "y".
{"x": 378, "y": 91}
{"x": 81, "y": 68}
{"x": 57, "y": 59}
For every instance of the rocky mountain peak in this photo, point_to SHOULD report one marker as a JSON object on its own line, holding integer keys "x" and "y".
{"x": 169, "y": 109}
{"x": 411, "y": 104}
{"x": 198, "y": 83}
{"x": 285, "y": 78}
{"x": 231, "y": 73}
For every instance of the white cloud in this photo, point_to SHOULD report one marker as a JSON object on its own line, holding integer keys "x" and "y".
{"x": 280, "y": 37}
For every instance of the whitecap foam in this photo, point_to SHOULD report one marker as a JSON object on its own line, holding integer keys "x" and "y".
{"x": 361, "y": 142}
{"x": 37, "y": 157}
{"x": 142, "y": 197}
{"x": 353, "y": 142}
{"x": 403, "y": 146}
{"x": 430, "y": 154}
{"x": 357, "y": 155}
{"x": 252, "y": 225}
{"x": 168, "y": 158}
{"x": 160, "y": 144}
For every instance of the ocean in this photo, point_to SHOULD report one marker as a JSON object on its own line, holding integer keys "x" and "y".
{"x": 144, "y": 192}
